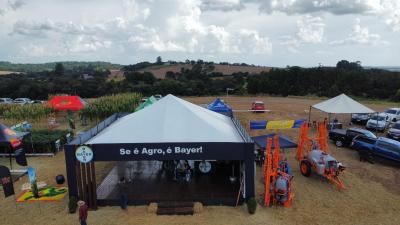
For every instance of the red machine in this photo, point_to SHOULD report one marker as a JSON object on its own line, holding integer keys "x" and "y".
{"x": 313, "y": 155}
{"x": 278, "y": 183}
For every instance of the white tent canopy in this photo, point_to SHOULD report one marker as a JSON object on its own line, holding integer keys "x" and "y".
{"x": 342, "y": 104}
{"x": 170, "y": 119}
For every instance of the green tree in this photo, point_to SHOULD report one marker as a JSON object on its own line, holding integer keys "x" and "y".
{"x": 159, "y": 60}
{"x": 59, "y": 69}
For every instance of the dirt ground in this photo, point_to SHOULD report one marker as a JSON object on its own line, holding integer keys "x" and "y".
{"x": 372, "y": 195}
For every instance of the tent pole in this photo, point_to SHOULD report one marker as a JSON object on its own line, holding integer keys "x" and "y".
{"x": 376, "y": 128}
{"x": 309, "y": 114}
{"x": 329, "y": 122}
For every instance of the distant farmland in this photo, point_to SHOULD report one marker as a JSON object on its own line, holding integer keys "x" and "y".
{"x": 159, "y": 72}
{"x": 7, "y": 72}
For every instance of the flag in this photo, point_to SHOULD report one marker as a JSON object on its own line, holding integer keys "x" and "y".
{"x": 20, "y": 157}
{"x": 6, "y": 181}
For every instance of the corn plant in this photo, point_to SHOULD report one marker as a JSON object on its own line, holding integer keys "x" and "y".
{"x": 29, "y": 112}
{"x": 105, "y": 106}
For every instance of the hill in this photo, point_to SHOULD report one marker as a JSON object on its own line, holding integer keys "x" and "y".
{"x": 69, "y": 65}
{"x": 160, "y": 71}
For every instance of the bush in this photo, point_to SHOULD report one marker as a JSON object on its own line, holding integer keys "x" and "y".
{"x": 72, "y": 204}
{"x": 33, "y": 112}
{"x": 251, "y": 205}
{"x": 44, "y": 141}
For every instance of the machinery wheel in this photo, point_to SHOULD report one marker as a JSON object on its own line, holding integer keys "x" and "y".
{"x": 305, "y": 168}
{"x": 339, "y": 143}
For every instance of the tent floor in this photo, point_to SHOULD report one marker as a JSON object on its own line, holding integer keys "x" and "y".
{"x": 146, "y": 182}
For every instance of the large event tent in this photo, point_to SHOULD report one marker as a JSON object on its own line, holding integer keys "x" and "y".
{"x": 341, "y": 104}
{"x": 176, "y": 130}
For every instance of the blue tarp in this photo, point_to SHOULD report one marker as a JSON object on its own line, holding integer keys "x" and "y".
{"x": 284, "y": 141}
{"x": 220, "y": 107}
{"x": 258, "y": 125}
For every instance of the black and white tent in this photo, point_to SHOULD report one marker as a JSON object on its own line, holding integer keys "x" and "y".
{"x": 170, "y": 129}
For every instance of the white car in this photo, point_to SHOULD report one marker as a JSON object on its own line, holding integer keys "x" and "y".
{"x": 22, "y": 101}
{"x": 394, "y": 114}
{"x": 158, "y": 97}
{"x": 6, "y": 101}
{"x": 379, "y": 122}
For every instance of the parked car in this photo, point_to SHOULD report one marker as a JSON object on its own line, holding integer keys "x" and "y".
{"x": 360, "y": 118}
{"x": 369, "y": 148}
{"x": 37, "y": 102}
{"x": 158, "y": 97}
{"x": 22, "y": 101}
{"x": 143, "y": 100}
{"x": 343, "y": 137}
{"x": 394, "y": 131}
{"x": 258, "y": 105}
{"x": 378, "y": 122}
{"x": 394, "y": 114}
{"x": 6, "y": 101}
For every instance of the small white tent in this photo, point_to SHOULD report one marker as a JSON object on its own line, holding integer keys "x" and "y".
{"x": 342, "y": 104}
{"x": 170, "y": 119}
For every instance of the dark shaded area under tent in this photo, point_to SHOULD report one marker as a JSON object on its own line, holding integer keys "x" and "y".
{"x": 146, "y": 182}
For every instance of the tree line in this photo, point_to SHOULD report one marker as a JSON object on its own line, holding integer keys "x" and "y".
{"x": 201, "y": 79}
{"x": 346, "y": 77}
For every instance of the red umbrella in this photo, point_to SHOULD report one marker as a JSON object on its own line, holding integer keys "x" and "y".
{"x": 73, "y": 103}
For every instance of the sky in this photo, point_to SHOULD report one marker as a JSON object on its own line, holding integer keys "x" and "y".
{"x": 261, "y": 32}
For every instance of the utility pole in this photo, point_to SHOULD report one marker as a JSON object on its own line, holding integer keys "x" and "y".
{"x": 227, "y": 91}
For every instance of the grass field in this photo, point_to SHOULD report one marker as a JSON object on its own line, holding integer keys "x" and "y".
{"x": 372, "y": 195}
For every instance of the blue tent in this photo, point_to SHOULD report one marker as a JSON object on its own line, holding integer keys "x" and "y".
{"x": 284, "y": 142}
{"x": 220, "y": 107}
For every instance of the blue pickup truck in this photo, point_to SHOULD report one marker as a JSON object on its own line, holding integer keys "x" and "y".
{"x": 369, "y": 148}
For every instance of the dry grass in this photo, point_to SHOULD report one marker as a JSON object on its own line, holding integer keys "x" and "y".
{"x": 3, "y": 72}
{"x": 372, "y": 195}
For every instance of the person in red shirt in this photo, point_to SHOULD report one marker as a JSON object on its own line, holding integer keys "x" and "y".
{"x": 83, "y": 212}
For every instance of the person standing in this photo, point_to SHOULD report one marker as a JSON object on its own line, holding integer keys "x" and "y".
{"x": 83, "y": 212}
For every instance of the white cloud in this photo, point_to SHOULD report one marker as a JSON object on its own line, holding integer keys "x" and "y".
{"x": 387, "y": 10}
{"x": 10, "y": 5}
{"x": 223, "y": 5}
{"x": 83, "y": 43}
{"x": 361, "y": 35}
{"x": 127, "y": 31}
{"x": 290, "y": 44}
{"x": 311, "y": 29}
{"x": 338, "y": 7}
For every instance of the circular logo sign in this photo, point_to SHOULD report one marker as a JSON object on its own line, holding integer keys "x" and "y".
{"x": 205, "y": 167}
{"x": 84, "y": 154}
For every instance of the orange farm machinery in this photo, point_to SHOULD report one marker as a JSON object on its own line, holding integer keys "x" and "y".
{"x": 312, "y": 153}
{"x": 278, "y": 181}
